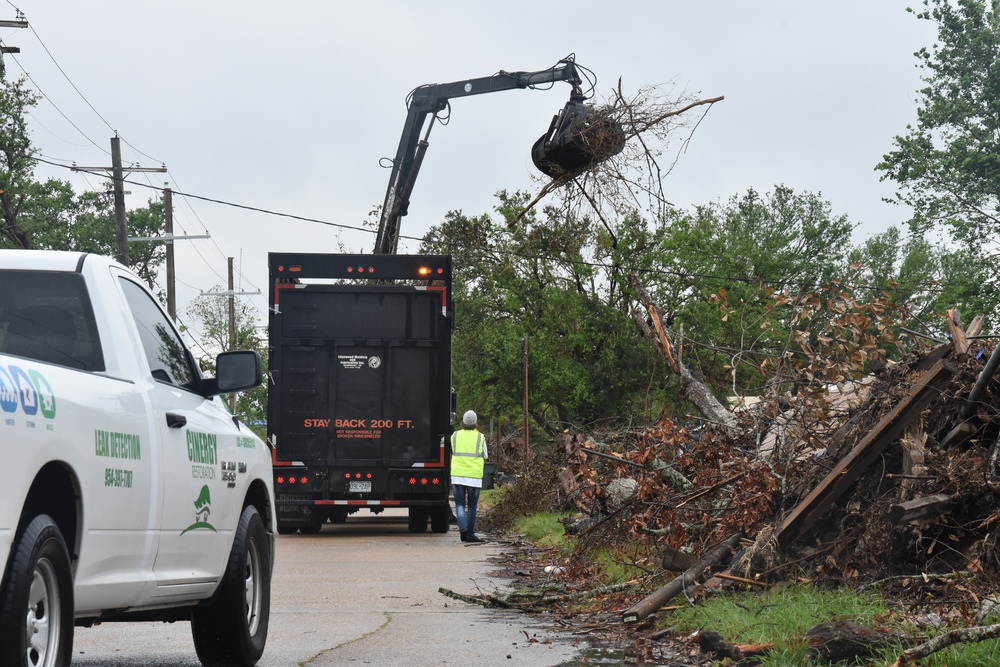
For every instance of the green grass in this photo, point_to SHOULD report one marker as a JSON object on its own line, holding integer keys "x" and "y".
{"x": 783, "y": 616}
{"x": 545, "y": 530}
{"x": 770, "y": 616}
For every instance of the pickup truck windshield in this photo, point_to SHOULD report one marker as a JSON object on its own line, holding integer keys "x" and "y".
{"x": 47, "y": 316}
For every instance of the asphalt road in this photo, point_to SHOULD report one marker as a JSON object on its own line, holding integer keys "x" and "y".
{"x": 360, "y": 593}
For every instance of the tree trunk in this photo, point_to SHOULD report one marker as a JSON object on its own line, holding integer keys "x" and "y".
{"x": 692, "y": 575}
{"x": 694, "y": 390}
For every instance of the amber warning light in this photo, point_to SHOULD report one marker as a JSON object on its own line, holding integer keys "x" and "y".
{"x": 426, "y": 271}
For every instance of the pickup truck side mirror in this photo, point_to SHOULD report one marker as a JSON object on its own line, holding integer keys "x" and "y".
{"x": 235, "y": 371}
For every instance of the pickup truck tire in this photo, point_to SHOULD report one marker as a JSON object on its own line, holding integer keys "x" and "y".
{"x": 36, "y": 607}
{"x": 232, "y": 629}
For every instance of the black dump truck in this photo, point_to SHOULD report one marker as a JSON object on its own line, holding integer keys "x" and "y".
{"x": 360, "y": 402}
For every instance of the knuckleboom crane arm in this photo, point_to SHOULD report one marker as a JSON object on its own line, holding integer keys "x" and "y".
{"x": 431, "y": 99}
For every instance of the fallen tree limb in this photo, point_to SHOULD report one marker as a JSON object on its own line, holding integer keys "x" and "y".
{"x": 694, "y": 390}
{"x": 742, "y": 580}
{"x": 692, "y": 575}
{"x": 513, "y": 600}
{"x": 610, "y": 457}
{"x": 484, "y": 600}
{"x": 584, "y": 595}
{"x": 709, "y": 489}
{"x": 969, "y": 635}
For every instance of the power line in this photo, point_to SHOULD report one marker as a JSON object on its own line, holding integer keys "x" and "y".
{"x": 579, "y": 262}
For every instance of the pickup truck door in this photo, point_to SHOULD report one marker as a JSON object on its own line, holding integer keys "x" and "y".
{"x": 58, "y": 404}
{"x": 198, "y": 463}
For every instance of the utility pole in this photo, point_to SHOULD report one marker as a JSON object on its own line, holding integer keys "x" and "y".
{"x": 118, "y": 180}
{"x": 168, "y": 227}
{"x": 232, "y": 327}
{"x": 19, "y": 23}
{"x": 232, "y": 309}
{"x": 527, "y": 446}
{"x": 121, "y": 229}
{"x": 231, "y": 293}
{"x": 168, "y": 238}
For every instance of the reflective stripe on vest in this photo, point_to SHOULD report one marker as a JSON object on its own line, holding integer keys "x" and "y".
{"x": 467, "y": 454}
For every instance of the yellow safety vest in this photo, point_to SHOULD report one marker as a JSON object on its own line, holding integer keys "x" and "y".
{"x": 467, "y": 453}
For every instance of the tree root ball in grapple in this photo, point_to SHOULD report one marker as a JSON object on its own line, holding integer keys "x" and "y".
{"x": 578, "y": 138}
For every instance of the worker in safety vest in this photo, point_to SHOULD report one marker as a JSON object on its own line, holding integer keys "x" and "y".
{"x": 468, "y": 456}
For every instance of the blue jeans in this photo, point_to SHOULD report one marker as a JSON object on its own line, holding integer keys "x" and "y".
{"x": 466, "y": 494}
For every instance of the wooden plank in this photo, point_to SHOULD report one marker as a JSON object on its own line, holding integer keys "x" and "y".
{"x": 959, "y": 435}
{"x": 932, "y": 357}
{"x": 919, "y": 508}
{"x": 853, "y": 465}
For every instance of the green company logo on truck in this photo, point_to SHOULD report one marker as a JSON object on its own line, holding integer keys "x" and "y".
{"x": 202, "y": 510}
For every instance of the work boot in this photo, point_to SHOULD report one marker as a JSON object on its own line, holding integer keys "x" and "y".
{"x": 463, "y": 535}
{"x": 471, "y": 537}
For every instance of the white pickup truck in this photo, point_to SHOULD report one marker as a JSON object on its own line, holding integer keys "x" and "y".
{"x": 127, "y": 489}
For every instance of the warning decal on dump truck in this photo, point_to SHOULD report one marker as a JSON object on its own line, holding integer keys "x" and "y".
{"x": 364, "y": 428}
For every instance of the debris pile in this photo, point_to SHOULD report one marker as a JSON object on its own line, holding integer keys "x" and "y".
{"x": 901, "y": 487}
{"x": 907, "y": 485}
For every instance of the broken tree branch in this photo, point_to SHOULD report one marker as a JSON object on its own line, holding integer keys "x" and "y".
{"x": 694, "y": 390}
{"x": 525, "y": 601}
{"x": 975, "y": 634}
{"x": 692, "y": 575}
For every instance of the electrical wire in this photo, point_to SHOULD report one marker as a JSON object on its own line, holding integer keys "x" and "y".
{"x": 587, "y": 74}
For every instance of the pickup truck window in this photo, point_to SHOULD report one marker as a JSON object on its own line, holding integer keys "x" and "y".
{"x": 47, "y": 316}
{"x": 164, "y": 350}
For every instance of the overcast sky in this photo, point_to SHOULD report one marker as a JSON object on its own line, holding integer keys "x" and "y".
{"x": 290, "y": 106}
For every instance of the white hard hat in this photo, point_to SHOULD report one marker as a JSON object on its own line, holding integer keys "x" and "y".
{"x": 469, "y": 418}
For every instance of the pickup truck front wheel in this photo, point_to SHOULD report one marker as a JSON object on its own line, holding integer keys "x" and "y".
{"x": 232, "y": 629}
{"x": 36, "y": 606}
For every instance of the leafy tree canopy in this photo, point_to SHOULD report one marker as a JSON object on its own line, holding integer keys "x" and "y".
{"x": 948, "y": 163}
{"x": 212, "y": 314}
{"x": 50, "y": 214}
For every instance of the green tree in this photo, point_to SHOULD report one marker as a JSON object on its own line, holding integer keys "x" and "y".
{"x": 560, "y": 280}
{"x": 948, "y": 163}
{"x": 16, "y": 162}
{"x": 49, "y": 214}
{"x": 211, "y": 312}
{"x": 535, "y": 277}
{"x": 713, "y": 270}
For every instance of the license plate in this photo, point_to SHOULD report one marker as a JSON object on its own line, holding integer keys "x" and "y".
{"x": 359, "y": 487}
